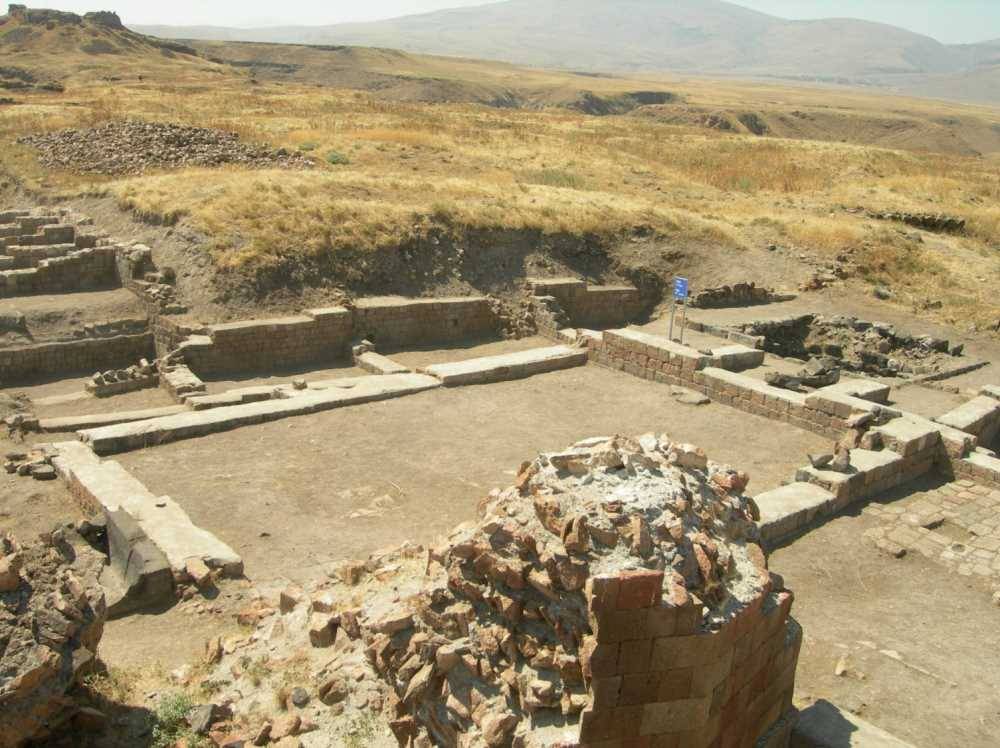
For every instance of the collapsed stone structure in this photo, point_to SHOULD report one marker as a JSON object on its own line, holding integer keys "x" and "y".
{"x": 858, "y": 345}
{"x": 51, "y": 620}
{"x": 615, "y": 592}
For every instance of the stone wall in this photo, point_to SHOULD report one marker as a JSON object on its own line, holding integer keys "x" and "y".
{"x": 325, "y": 335}
{"x": 79, "y": 270}
{"x": 591, "y": 306}
{"x": 74, "y": 357}
{"x": 655, "y": 679}
{"x": 392, "y": 322}
{"x": 660, "y": 360}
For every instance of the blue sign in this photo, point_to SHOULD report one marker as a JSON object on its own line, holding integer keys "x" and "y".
{"x": 680, "y": 288}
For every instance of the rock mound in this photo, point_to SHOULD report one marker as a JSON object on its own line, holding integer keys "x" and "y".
{"x": 135, "y": 147}
{"x": 497, "y": 647}
{"x": 51, "y": 620}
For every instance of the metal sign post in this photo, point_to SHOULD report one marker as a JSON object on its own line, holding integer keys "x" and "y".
{"x": 681, "y": 295}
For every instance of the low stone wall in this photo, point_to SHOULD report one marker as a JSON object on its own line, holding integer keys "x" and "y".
{"x": 738, "y": 294}
{"x": 653, "y": 679}
{"x": 81, "y": 270}
{"x": 591, "y": 306}
{"x": 74, "y": 357}
{"x": 259, "y": 345}
{"x": 322, "y": 335}
{"x": 393, "y": 322}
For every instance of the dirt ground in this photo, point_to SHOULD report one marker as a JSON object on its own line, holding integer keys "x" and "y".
{"x": 855, "y": 602}
{"x": 293, "y": 495}
{"x": 57, "y": 316}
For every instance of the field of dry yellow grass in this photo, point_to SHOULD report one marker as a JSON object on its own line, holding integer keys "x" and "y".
{"x": 385, "y": 171}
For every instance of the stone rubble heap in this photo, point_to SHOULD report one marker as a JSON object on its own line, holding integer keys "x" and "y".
{"x": 492, "y": 651}
{"x": 52, "y": 614}
{"x": 487, "y": 638}
{"x": 134, "y": 147}
{"x": 857, "y": 345}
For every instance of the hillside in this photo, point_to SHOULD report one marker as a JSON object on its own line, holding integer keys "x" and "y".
{"x": 635, "y": 36}
{"x": 46, "y": 49}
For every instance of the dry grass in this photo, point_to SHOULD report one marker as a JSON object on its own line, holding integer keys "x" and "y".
{"x": 408, "y": 166}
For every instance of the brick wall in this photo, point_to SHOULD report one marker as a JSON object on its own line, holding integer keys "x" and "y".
{"x": 74, "y": 357}
{"x": 591, "y": 306}
{"x": 655, "y": 677}
{"x": 84, "y": 269}
{"x": 326, "y": 334}
{"x": 391, "y": 322}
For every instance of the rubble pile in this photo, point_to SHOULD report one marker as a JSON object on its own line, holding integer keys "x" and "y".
{"x": 739, "y": 294}
{"x": 491, "y": 638}
{"x": 52, "y": 616}
{"x": 857, "y": 345}
{"x": 133, "y": 147}
{"x": 822, "y": 371}
{"x": 118, "y": 381}
{"x": 493, "y": 650}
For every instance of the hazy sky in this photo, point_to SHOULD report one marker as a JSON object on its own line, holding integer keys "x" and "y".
{"x": 947, "y": 20}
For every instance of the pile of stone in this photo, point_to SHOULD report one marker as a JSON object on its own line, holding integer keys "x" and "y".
{"x": 52, "y": 615}
{"x": 739, "y": 294}
{"x": 855, "y": 344}
{"x": 936, "y": 222}
{"x": 134, "y": 147}
{"x": 119, "y": 381}
{"x": 35, "y": 463}
{"x": 819, "y": 372}
{"x": 497, "y": 647}
{"x": 617, "y": 587}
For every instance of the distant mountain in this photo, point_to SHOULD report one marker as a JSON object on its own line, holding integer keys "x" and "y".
{"x": 630, "y": 36}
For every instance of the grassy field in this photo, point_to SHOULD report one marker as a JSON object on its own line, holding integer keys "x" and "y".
{"x": 386, "y": 171}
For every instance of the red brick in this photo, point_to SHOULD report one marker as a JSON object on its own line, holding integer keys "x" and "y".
{"x": 676, "y": 684}
{"x": 641, "y": 688}
{"x": 602, "y": 593}
{"x": 662, "y": 620}
{"x": 634, "y": 656}
{"x": 639, "y": 589}
{"x": 609, "y": 724}
{"x": 598, "y": 660}
{"x": 605, "y": 692}
{"x": 614, "y": 626}
{"x": 673, "y": 716}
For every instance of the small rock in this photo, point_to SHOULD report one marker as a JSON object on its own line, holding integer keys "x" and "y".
{"x": 300, "y": 697}
{"x": 200, "y": 718}
{"x": 199, "y": 572}
{"x": 285, "y": 727}
{"x": 820, "y": 461}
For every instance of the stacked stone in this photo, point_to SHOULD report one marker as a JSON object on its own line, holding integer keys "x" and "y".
{"x": 393, "y": 322}
{"x": 120, "y": 381}
{"x": 77, "y": 270}
{"x": 739, "y": 294}
{"x": 591, "y": 306}
{"x": 78, "y": 356}
{"x": 54, "y": 614}
{"x": 615, "y": 592}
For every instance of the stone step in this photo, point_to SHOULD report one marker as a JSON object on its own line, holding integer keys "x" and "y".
{"x": 786, "y": 510}
{"x": 979, "y": 417}
{"x": 506, "y": 367}
{"x": 128, "y": 436}
{"x": 872, "y": 472}
{"x": 376, "y": 363}
{"x": 67, "y": 424}
{"x": 737, "y": 357}
{"x": 106, "y": 486}
{"x": 861, "y": 388}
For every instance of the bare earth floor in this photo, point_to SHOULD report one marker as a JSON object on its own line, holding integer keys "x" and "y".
{"x": 291, "y": 496}
{"x": 922, "y": 644}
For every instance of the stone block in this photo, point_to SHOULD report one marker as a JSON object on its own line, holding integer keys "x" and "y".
{"x": 786, "y": 510}
{"x": 737, "y": 357}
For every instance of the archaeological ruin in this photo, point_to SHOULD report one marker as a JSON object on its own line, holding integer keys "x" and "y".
{"x": 618, "y": 592}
